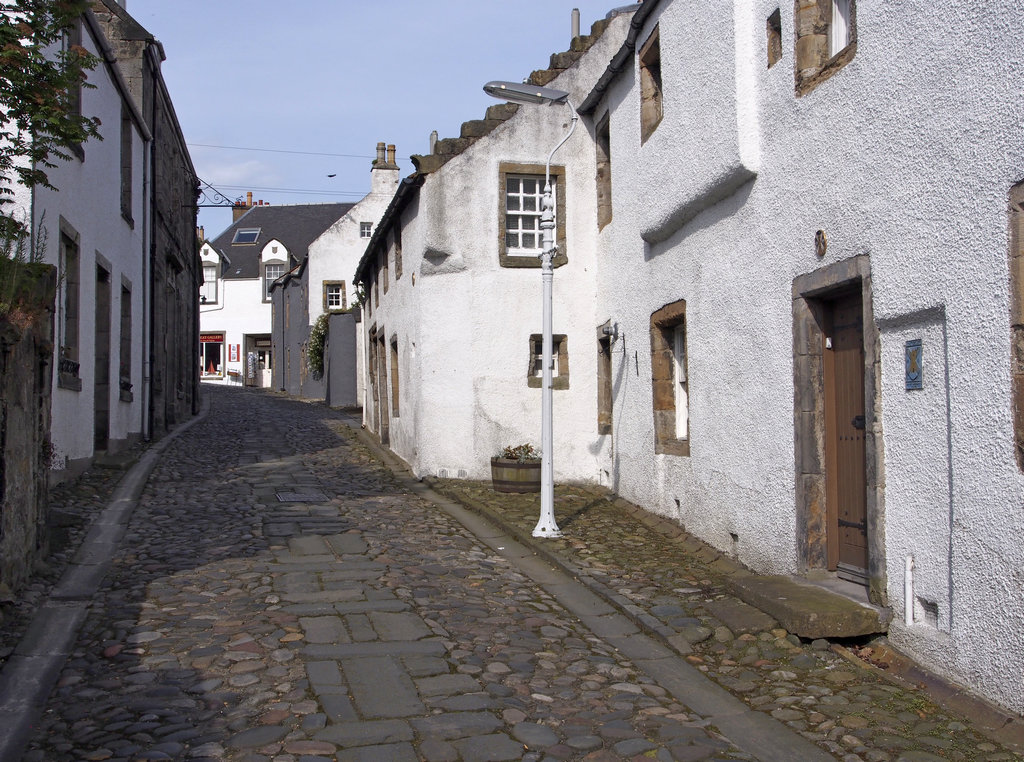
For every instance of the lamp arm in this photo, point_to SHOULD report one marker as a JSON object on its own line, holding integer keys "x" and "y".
{"x": 572, "y": 128}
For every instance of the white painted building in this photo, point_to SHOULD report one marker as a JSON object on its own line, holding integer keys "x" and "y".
{"x": 239, "y": 266}
{"x": 98, "y": 242}
{"x": 792, "y": 302}
{"x": 452, "y": 315}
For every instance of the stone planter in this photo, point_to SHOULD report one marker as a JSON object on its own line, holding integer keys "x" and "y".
{"x": 508, "y": 475}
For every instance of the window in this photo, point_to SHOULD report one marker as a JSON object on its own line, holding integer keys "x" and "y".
{"x": 603, "y": 146}
{"x": 125, "y": 359}
{"x": 396, "y": 238}
{"x": 394, "y": 376}
{"x": 73, "y": 38}
{"x": 826, "y": 40}
{"x": 334, "y": 295}
{"x": 271, "y": 272}
{"x": 211, "y": 355}
{"x": 246, "y": 235}
{"x": 208, "y": 291}
{"x": 67, "y": 370}
{"x": 670, "y": 380}
{"x": 522, "y": 188}
{"x": 774, "y": 30}
{"x": 604, "y": 379}
{"x": 1017, "y": 317}
{"x": 650, "y": 85}
{"x": 365, "y": 229}
{"x": 839, "y": 29}
{"x": 560, "y": 364}
{"x": 126, "y": 165}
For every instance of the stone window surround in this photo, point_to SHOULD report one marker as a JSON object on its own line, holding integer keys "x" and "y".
{"x": 809, "y": 292}
{"x": 773, "y": 30}
{"x": 70, "y": 305}
{"x": 558, "y": 176}
{"x": 1016, "y": 202}
{"x": 663, "y": 324}
{"x": 125, "y": 348}
{"x": 603, "y": 179}
{"x": 393, "y": 356}
{"x": 651, "y": 93}
{"x": 812, "y": 62}
{"x": 344, "y": 297}
{"x": 126, "y": 166}
{"x": 396, "y": 241}
{"x": 560, "y": 352}
{"x": 605, "y": 393}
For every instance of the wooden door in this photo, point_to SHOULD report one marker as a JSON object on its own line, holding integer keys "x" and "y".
{"x": 845, "y": 424}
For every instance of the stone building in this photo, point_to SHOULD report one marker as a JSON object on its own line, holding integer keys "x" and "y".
{"x": 174, "y": 272}
{"x": 97, "y": 228}
{"x": 789, "y": 307}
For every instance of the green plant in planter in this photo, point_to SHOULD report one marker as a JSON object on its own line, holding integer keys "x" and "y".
{"x": 520, "y": 453}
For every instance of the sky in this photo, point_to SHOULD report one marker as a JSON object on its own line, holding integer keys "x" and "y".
{"x": 277, "y": 97}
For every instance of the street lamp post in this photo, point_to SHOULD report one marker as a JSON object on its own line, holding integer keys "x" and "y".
{"x": 533, "y": 95}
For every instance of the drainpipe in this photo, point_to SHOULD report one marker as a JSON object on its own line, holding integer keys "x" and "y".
{"x": 908, "y": 592}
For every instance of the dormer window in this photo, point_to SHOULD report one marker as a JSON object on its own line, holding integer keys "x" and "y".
{"x": 246, "y": 235}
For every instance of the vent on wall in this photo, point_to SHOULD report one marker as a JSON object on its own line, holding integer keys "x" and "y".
{"x": 451, "y": 473}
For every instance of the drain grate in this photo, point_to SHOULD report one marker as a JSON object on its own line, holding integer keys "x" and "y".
{"x": 301, "y": 497}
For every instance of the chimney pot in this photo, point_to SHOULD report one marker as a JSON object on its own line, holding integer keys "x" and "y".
{"x": 391, "y": 155}
{"x": 248, "y": 198}
{"x": 575, "y": 23}
{"x": 380, "y": 153}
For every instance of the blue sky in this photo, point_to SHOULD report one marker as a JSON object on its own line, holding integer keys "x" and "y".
{"x": 336, "y": 77}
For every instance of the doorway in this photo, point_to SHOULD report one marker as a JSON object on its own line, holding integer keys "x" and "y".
{"x": 101, "y": 386}
{"x": 838, "y": 452}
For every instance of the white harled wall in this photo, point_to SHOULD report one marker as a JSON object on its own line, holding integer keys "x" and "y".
{"x": 95, "y": 218}
{"x": 463, "y": 328}
{"x": 905, "y": 155}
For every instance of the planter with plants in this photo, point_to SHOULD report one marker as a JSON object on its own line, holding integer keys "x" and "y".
{"x": 516, "y": 469}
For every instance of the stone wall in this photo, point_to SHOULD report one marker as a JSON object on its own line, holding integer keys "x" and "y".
{"x": 26, "y": 349}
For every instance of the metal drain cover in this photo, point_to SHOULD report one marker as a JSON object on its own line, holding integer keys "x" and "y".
{"x": 301, "y": 497}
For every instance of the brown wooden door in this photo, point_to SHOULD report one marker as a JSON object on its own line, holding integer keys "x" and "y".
{"x": 845, "y": 424}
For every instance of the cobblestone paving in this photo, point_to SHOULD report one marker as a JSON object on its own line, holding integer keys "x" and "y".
{"x": 279, "y": 596}
{"x": 852, "y": 711}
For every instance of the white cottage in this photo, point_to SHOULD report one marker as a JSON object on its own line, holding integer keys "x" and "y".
{"x": 804, "y": 222}
{"x": 98, "y": 242}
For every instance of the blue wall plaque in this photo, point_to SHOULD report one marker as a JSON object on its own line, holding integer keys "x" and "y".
{"x": 912, "y": 361}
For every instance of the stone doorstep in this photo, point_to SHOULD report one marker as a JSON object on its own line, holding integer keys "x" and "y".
{"x": 807, "y": 610}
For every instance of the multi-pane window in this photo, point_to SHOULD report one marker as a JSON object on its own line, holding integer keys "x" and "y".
{"x": 271, "y": 273}
{"x": 208, "y": 291}
{"x": 334, "y": 296}
{"x": 523, "y": 195}
{"x": 365, "y": 229}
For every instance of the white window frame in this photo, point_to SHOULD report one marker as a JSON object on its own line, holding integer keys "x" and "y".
{"x": 209, "y": 288}
{"x": 254, "y": 233}
{"x": 365, "y": 229}
{"x": 680, "y": 381}
{"x": 269, "y": 281}
{"x": 523, "y": 206}
{"x": 335, "y": 296}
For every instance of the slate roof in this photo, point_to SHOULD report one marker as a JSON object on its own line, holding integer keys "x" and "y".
{"x": 294, "y": 225}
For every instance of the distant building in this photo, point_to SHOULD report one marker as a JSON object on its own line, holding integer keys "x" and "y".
{"x": 323, "y": 283}
{"x": 240, "y": 266}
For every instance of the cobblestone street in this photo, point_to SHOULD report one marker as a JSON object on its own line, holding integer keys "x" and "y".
{"x": 280, "y": 594}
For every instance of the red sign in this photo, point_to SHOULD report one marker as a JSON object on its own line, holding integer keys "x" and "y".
{"x": 211, "y": 338}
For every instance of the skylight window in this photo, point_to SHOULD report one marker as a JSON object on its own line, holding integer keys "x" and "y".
{"x": 246, "y": 235}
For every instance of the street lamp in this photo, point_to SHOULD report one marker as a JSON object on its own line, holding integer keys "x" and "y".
{"x": 534, "y": 96}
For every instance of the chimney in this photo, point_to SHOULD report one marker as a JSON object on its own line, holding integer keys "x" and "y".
{"x": 433, "y": 141}
{"x": 201, "y": 233}
{"x": 575, "y": 23}
{"x": 385, "y": 171}
{"x": 391, "y": 156}
{"x": 241, "y": 207}
{"x": 379, "y": 163}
